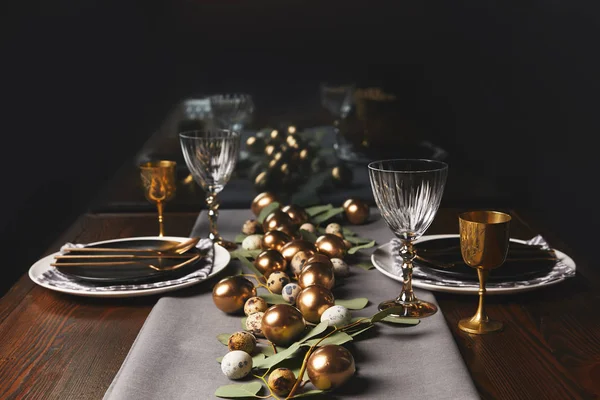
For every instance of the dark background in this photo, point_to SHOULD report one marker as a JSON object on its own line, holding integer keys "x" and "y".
{"x": 511, "y": 87}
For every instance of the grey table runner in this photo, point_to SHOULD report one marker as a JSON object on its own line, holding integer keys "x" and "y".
{"x": 174, "y": 355}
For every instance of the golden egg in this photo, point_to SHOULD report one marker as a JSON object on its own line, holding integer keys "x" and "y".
{"x": 275, "y": 135}
{"x": 304, "y": 154}
{"x": 277, "y": 220}
{"x": 230, "y": 294}
{"x": 290, "y": 249}
{"x": 319, "y": 257}
{"x": 317, "y": 274}
{"x": 356, "y": 211}
{"x": 296, "y": 213}
{"x": 313, "y": 301}
{"x": 261, "y": 201}
{"x": 283, "y": 324}
{"x": 270, "y": 261}
{"x": 330, "y": 366}
{"x": 270, "y": 150}
{"x": 331, "y": 245}
{"x": 275, "y": 240}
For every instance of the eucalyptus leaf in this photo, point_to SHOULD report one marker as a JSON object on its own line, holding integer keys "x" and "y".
{"x": 362, "y": 246}
{"x": 308, "y": 393}
{"x": 320, "y": 328}
{"x": 338, "y": 338}
{"x": 266, "y": 211}
{"x": 357, "y": 240}
{"x": 309, "y": 236}
{"x": 250, "y": 265}
{"x": 245, "y": 253}
{"x": 275, "y": 359}
{"x": 237, "y": 390}
{"x": 399, "y": 320}
{"x": 240, "y": 238}
{"x": 224, "y": 338}
{"x": 312, "y": 211}
{"x": 327, "y": 215}
{"x": 364, "y": 265}
{"x": 353, "y": 304}
{"x": 273, "y": 298}
{"x": 347, "y": 232}
{"x": 363, "y": 328}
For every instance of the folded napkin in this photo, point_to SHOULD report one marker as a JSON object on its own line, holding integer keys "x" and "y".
{"x": 560, "y": 271}
{"x": 55, "y": 278}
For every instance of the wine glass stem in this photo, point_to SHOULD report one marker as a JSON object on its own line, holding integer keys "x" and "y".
{"x": 161, "y": 230}
{"x": 480, "y": 315}
{"x": 408, "y": 253}
{"x": 212, "y": 201}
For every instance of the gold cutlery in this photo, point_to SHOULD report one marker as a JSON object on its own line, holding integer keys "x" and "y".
{"x": 112, "y": 263}
{"x": 129, "y": 256}
{"x": 178, "y": 248}
{"x": 454, "y": 264}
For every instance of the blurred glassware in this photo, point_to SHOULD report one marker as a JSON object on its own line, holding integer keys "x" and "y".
{"x": 232, "y": 111}
{"x": 197, "y": 108}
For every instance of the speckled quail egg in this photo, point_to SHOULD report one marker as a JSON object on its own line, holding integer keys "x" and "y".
{"x": 254, "y": 323}
{"x": 244, "y": 341}
{"x": 290, "y": 292}
{"x": 333, "y": 228}
{"x": 251, "y": 227}
{"x": 255, "y": 304}
{"x": 307, "y": 226}
{"x": 277, "y": 280}
{"x": 340, "y": 268}
{"x": 281, "y": 381}
{"x": 336, "y": 316}
{"x": 236, "y": 364}
{"x": 298, "y": 262}
{"x": 252, "y": 242}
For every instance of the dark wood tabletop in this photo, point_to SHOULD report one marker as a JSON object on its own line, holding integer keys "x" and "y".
{"x": 58, "y": 346}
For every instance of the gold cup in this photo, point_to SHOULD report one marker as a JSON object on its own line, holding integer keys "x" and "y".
{"x": 484, "y": 241}
{"x": 158, "y": 179}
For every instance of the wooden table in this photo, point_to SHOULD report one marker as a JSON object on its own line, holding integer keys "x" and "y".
{"x": 56, "y": 346}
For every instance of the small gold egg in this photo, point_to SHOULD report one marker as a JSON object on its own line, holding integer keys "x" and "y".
{"x": 356, "y": 211}
{"x": 313, "y": 301}
{"x": 330, "y": 366}
{"x": 283, "y": 324}
{"x": 275, "y": 240}
{"x": 290, "y": 249}
{"x": 296, "y": 213}
{"x": 230, "y": 294}
{"x": 319, "y": 257}
{"x": 277, "y": 220}
{"x": 331, "y": 245}
{"x": 261, "y": 201}
{"x": 270, "y": 261}
{"x": 317, "y": 274}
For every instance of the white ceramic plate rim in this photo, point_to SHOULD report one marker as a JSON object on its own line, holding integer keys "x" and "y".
{"x": 463, "y": 290}
{"x": 221, "y": 259}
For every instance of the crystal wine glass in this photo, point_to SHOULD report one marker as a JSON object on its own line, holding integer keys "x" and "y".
{"x": 408, "y": 193}
{"x": 211, "y": 157}
{"x": 232, "y": 111}
{"x": 158, "y": 179}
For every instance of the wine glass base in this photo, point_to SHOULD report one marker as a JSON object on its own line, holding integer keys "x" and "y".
{"x": 410, "y": 309}
{"x": 226, "y": 244}
{"x": 479, "y": 327}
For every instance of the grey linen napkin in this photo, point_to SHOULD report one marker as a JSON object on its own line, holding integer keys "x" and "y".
{"x": 174, "y": 355}
{"x": 56, "y": 278}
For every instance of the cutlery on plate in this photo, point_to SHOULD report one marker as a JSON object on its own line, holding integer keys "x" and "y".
{"x": 128, "y": 256}
{"x": 178, "y": 248}
{"x": 113, "y": 263}
{"x": 454, "y": 264}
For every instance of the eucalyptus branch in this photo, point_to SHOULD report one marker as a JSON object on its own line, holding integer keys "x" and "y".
{"x": 271, "y": 394}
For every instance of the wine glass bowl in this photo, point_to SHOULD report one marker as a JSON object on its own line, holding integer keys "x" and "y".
{"x": 211, "y": 157}
{"x": 484, "y": 242}
{"x": 231, "y": 111}
{"x": 158, "y": 181}
{"x": 408, "y": 193}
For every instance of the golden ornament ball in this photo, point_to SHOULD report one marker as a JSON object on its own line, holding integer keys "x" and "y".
{"x": 330, "y": 366}
{"x": 317, "y": 274}
{"x": 277, "y": 220}
{"x": 270, "y": 150}
{"x": 290, "y": 249}
{"x": 331, "y": 245}
{"x": 297, "y": 214}
{"x": 356, "y": 211}
{"x": 319, "y": 257}
{"x": 261, "y": 201}
{"x": 275, "y": 240}
{"x": 270, "y": 261}
{"x": 283, "y": 324}
{"x": 313, "y": 301}
{"x": 230, "y": 294}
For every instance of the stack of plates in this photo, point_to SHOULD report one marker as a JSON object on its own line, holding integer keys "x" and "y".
{"x": 136, "y": 279}
{"x": 525, "y": 268}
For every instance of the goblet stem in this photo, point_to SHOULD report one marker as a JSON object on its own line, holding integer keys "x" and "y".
{"x": 161, "y": 230}
{"x": 480, "y": 323}
{"x": 407, "y": 252}
{"x": 480, "y": 315}
{"x": 213, "y": 203}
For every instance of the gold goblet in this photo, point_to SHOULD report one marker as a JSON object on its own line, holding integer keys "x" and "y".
{"x": 484, "y": 241}
{"x": 158, "y": 178}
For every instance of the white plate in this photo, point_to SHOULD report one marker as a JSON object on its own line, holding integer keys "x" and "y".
{"x": 221, "y": 259}
{"x": 383, "y": 260}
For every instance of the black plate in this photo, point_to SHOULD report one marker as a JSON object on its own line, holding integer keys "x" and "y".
{"x": 509, "y": 271}
{"x": 131, "y": 273}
